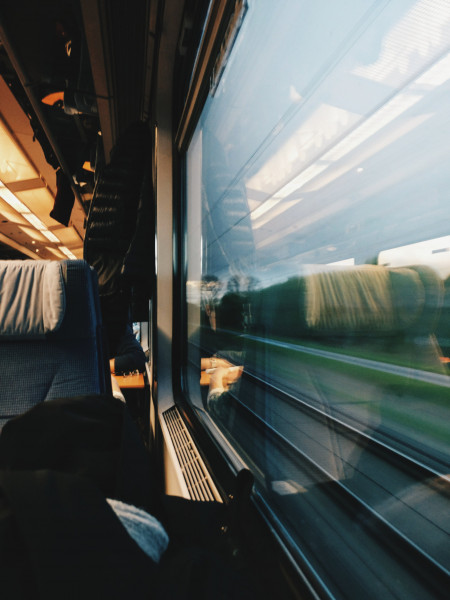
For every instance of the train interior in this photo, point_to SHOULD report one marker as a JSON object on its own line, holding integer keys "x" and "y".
{"x": 86, "y": 87}
{"x": 273, "y": 234}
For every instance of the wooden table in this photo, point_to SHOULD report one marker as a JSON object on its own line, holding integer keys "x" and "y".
{"x": 135, "y": 382}
{"x": 204, "y": 378}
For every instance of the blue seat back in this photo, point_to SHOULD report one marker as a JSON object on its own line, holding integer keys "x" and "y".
{"x": 51, "y": 338}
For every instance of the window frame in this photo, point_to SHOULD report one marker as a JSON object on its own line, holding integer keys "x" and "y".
{"x": 224, "y": 464}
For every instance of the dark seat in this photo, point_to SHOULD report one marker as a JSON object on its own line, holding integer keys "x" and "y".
{"x": 51, "y": 343}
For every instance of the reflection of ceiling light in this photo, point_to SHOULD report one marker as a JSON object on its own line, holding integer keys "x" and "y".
{"x": 301, "y": 179}
{"x": 345, "y": 261}
{"x": 264, "y": 207}
{"x": 413, "y": 40}
{"x": 382, "y": 117}
{"x": 438, "y": 74}
{"x": 298, "y": 224}
{"x": 325, "y": 124}
{"x": 399, "y": 104}
{"x": 279, "y": 209}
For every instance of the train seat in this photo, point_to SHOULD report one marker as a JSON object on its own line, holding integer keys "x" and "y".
{"x": 51, "y": 340}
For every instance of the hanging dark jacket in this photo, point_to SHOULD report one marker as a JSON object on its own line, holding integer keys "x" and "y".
{"x": 119, "y": 239}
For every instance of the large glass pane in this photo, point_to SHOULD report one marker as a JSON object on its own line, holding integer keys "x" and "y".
{"x": 318, "y": 277}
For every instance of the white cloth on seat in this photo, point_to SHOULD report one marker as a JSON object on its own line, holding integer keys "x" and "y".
{"x": 26, "y": 284}
{"x": 145, "y": 529}
{"x": 116, "y": 391}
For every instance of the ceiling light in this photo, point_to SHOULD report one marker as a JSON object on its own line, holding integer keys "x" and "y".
{"x": 59, "y": 255}
{"x": 14, "y": 165}
{"x": 37, "y": 223}
{"x": 67, "y": 252}
{"x": 40, "y": 200}
{"x": 13, "y": 201}
{"x": 32, "y": 233}
{"x": 50, "y": 236}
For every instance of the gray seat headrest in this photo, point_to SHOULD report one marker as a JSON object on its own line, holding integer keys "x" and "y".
{"x": 32, "y": 298}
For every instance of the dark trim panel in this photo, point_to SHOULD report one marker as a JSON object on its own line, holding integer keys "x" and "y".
{"x": 218, "y": 17}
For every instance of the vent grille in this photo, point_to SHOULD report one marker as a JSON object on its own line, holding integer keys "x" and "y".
{"x": 196, "y": 476}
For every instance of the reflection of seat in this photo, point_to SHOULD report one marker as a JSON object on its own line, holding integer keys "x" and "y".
{"x": 51, "y": 343}
{"x": 353, "y": 305}
{"x": 351, "y": 343}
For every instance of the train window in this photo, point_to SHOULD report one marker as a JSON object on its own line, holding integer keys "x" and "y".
{"x": 318, "y": 278}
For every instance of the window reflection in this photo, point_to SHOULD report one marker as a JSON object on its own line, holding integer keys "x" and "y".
{"x": 319, "y": 272}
